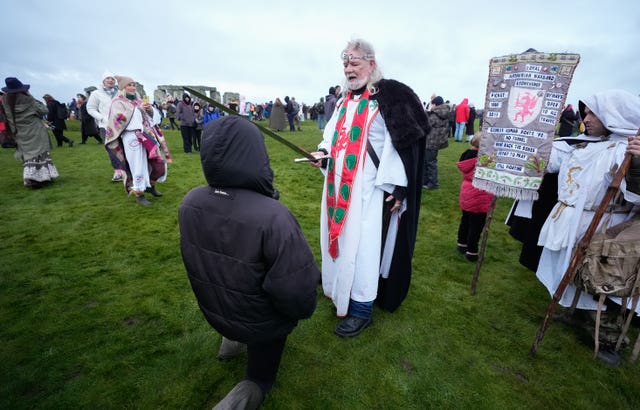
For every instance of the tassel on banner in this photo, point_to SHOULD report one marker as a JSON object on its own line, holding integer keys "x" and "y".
{"x": 505, "y": 191}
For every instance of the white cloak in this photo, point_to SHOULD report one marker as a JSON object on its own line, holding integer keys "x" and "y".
{"x": 583, "y": 178}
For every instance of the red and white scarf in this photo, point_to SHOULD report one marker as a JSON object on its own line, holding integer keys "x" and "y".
{"x": 350, "y": 140}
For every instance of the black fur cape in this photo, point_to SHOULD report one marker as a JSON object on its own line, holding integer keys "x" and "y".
{"x": 408, "y": 125}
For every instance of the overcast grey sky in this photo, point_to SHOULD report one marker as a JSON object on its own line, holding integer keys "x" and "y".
{"x": 269, "y": 49}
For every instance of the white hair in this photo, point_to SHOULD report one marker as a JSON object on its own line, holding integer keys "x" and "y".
{"x": 369, "y": 54}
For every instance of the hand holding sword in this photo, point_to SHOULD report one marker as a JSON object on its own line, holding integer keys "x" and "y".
{"x": 318, "y": 156}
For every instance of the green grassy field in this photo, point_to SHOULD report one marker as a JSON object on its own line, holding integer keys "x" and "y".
{"x": 96, "y": 310}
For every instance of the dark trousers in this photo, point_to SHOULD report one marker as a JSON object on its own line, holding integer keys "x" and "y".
{"x": 470, "y": 229}
{"x": 196, "y": 139}
{"x": 187, "y": 137}
{"x": 430, "y": 169}
{"x": 60, "y": 138}
{"x": 85, "y": 137}
{"x": 172, "y": 123}
{"x": 290, "y": 119}
{"x": 263, "y": 361}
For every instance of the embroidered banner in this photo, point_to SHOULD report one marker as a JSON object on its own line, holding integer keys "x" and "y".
{"x": 525, "y": 97}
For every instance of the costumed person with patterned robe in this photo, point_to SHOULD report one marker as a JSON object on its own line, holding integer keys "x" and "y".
{"x": 612, "y": 118}
{"x": 137, "y": 144}
{"x": 25, "y": 124}
{"x": 371, "y": 196}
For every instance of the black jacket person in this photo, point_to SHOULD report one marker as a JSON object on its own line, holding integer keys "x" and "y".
{"x": 248, "y": 261}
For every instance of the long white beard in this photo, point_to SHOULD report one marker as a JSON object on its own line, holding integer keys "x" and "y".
{"x": 356, "y": 84}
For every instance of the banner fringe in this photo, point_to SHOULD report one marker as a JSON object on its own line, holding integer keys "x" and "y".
{"x": 501, "y": 190}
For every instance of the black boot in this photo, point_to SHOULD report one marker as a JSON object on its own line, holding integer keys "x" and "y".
{"x": 352, "y": 326}
{"x": 153, "y": 191}
{"x": 143, "y": 201}
{"x": 609, "y": 355}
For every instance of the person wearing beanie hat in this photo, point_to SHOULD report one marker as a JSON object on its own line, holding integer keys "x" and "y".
{"x": 199, "y": 116}
{"x": 437, "y": 139}
{"x": 123, "y": 81}
{"x": 187, "y": 118}
{"x": 108, "y": 75}
{"x": 23, "y": 115}
{"x": 330, "y": 103}
{"x": 98, "y": 107}
{"x": 135, "y": 142}
{"x": 57, "y": 119}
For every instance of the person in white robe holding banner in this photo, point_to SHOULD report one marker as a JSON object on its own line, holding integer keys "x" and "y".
{"x": 375, "y": 140}
{"x": 612, "y": 119}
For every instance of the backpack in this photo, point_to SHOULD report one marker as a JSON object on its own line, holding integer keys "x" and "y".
{"x": 611, "y": 267}
{"x": 320, "y": 108}
{"x": 62, "y": 113}
{"x": 612, "y": 261}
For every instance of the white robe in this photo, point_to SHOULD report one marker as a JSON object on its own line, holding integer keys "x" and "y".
{"x": 136, "y": 154}
{"x": 354, "y": 273}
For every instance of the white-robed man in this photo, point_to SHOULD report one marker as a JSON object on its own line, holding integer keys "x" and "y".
{"x": 375, "y": 140}
{"x": 612, "y": 119}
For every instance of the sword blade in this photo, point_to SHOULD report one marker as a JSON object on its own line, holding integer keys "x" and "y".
{"x": 266, "y": 131}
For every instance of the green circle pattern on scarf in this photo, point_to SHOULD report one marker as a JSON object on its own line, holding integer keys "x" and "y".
{"x": 343, "y": 111}
{"x": 344, "y": 191}
{"x": 330, "y": 210}
{"x": 355, "y": 133}
{"x": 350, "y": 161}
{"x": 335, "y": 137}
{"x": 339, "y": 214}
{"x": 330, "y": 164}
{"x": 330, "y": 189}
{"x": 362, "y": 105}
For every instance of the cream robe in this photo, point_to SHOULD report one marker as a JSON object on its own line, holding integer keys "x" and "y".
{"x": 582, "y": 182}
{"x": 136, "y": 154}
{"x": 354, "y": 273}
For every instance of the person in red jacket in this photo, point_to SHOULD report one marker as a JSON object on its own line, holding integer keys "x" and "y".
{"x": 474, "y": 203}
{"x": 462, "y": 116}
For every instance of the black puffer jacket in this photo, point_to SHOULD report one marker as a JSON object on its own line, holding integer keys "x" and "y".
{"x": 249, "y": 264}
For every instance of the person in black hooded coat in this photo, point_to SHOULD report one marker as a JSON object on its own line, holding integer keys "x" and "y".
{"x": 246, "y": 257}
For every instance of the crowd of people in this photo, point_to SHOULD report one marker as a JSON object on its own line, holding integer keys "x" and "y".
{"x": 377, "y": 154}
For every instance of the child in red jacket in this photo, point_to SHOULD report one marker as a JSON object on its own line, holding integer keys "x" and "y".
{"x": 474, "y": 203}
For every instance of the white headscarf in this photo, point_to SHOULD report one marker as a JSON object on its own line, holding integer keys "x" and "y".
{"x": 618, "y": 110}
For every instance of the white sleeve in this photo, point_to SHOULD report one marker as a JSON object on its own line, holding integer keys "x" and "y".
{"x": 92, "y": 107}
{"x": 559, "y": 153}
